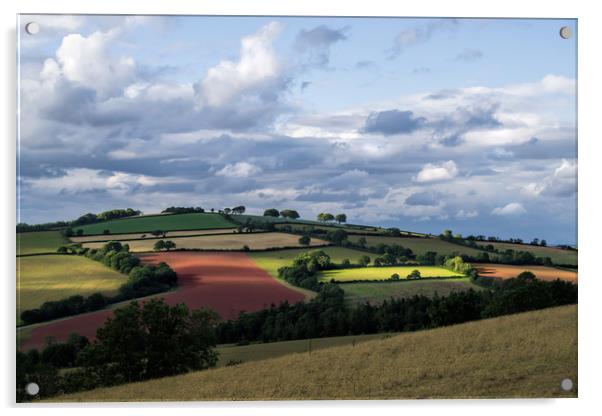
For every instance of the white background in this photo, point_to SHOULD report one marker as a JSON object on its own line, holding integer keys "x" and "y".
{"x": 590, "y": 210}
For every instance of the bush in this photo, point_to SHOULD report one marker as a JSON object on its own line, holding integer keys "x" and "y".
{"x": 394, "y": 276}
{"x": 305, "y": 240}
{"x": 415, "y": 274}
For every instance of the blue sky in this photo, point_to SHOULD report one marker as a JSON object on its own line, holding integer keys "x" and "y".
{"x": 423, "y": 124}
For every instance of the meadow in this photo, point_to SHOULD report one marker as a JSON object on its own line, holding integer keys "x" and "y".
{"x": 39, "y": 242}
{"x": 139, "y": 236}
{"x": 195, "y": 221}
{"x": 382, "y": 273}
{"x": 558, "y": 255}
{"x": 255, "y": 241}
{"x": 271, "y": 261}
{"x": 376, "y": 293}
{"x": 521, "y": 355}
{"x": 55, "y": 277}
{"x": 418, "y": 245}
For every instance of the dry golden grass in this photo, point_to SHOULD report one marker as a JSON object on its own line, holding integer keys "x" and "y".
{"x": 255, "y": 241}
{"x": 524, "y": 355}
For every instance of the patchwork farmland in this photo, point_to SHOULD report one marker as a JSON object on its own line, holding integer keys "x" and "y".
{"x": 230, "y": 241}
{"x": 506, "y": 271}
{"x": 384, "y": 273}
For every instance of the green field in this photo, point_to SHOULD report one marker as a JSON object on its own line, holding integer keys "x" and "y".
{"x": 418, "y": 245}
{"x": 377, "y": 292}
{"x": 558, "y": 255}
{"x": 39, "y": 242}
{"x": 520, "y": 355}
{"x": 173, "y": 222}
{"x": 271, "y": 261}
{"x": 55, "y": 277}
{"x": 382, "y": 273}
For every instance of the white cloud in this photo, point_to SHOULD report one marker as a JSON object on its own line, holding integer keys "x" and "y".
{"x": 567, "y": 169}
{"x": 532, "y": 189}
{"x": 468, "y": 213}
{"x": 513, "y": 208}
{"x": 257, "y": 66}
{"x": 239, "y": 170}
{"x": 437, "y": 172}
{"x": 86, "y": 61}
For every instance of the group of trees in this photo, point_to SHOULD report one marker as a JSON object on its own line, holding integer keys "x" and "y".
{"x": 142, "y": 280}
{"x": 183, "y": 210}
{"x": 113, "y": 214}
{"x": 164, "y": 245}
{"x": 304, "y": 269}
{"x": 137, "y": 343}
{"x": 236, "y": 210}
{"x": 285, "y": 213}
{"x": 327, "y": 217}
{"x": 447, "y": 235}
{"x": 328, "y": 314}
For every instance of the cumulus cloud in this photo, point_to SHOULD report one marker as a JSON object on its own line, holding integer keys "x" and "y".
{"x": 317, "y": 42}
{"x": 463, "y": 214}
{"x": 392, "y": 122}
{"x": 511, "y": 209}
{"x": 432, "y": 172}
{"x": 239, "y": 170}
{"x": 257, "y": 67}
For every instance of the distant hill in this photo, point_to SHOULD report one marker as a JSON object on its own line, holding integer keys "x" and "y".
{"x": 523, "y": 355}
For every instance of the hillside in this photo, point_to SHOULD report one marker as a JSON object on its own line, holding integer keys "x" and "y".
{"x": 524, "y": 355}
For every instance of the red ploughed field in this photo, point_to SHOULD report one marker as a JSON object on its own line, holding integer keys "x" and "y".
{"x": 228, "y": 283}
{"x": 506, "y": 271}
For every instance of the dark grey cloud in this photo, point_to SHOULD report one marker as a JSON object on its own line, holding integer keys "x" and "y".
{"x": 425, "y": 198}
{"x": 317, "y": 42}
{"x": 393, "y": 122}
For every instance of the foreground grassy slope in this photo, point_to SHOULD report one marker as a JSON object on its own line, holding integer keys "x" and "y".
{"x": 383, "y": 273}
{"x": 523, "y": 355}
{"x": 377, "y": 292}
{"x": 418, "y": 245}
{"x": 159, "y": 222}
{"x": 271, "y": 261}
{"x": 55, "y": 277}
{"x": 39, "y": 242}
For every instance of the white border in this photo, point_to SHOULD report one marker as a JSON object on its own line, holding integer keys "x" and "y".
{"x": 590, "y": 68}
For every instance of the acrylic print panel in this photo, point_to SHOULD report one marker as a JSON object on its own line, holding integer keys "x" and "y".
{"x": 284, "y": 208}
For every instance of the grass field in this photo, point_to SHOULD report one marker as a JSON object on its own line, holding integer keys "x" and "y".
{"x": 381, "y": 273}
{"x": 257, "y": 241}
{"x": 271, "y": 261}
{"x": 418, "y": 245}
{"x": 137, "y": 236}
{"x": 558, "y": 255}
{"x": 256, "y": 352}
{"x": 377, "y": 292}
{"x": 522, "y": 355}
{"x": 507, "y": 271}
{"x": 39, "y": 242}
{"x": 172, "y": 222}
{"x": 54, "y": 277}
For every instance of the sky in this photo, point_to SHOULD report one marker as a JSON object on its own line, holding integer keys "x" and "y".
{"x": 421, "y": 124}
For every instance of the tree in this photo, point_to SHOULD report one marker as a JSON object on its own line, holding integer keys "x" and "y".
{"x": 325, "y": 217}
{"x": 81, "y": 232}
{"x": 394, "y": 276}
{"x": 543, "y": 243}
{"x": 526, "y": 276}
{"x": 271, "y": 212}
{"x": 535, "y": 242}
{"x": 289, "y": 213}
{"x": 169, "y": 245}
{"x": 227, "y": 211}
{"x": 239, "y": 210}
{"x": 340, "y": 218}
{"x": 362, "y": 242}
{"x": 158, "y": 233}
{"x": 447, "y": 234}
{"x": 364, "y": 260}
{"x": 154, "y": 340}
{"x": 305, "y": 240}
{"x": 415, "y": 274}
{"x": 159, "y": 245}
{"x": 105, "y": 232}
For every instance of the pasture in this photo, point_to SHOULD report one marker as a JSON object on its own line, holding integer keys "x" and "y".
{"x": 418, "y": 245}
{"x": 55, "y": 277}
{"x": 271, "y": 261}
{"x": 139, "y": 236}
{"x": 558, "y": 255}
{"x": 376, "y": 293}
{"x": 506, "y": 271}
{"x": 515, "y": 356}
{"x": 382, "y": 273}
{"x": 39, "y": 242}
{"x": 255, "y": 241}
{"x": 142, "y": 224}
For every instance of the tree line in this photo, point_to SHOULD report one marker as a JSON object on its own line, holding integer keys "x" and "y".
{"x": 142, "y": 280}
